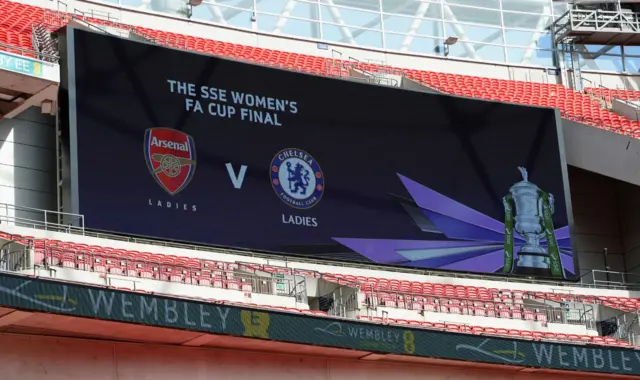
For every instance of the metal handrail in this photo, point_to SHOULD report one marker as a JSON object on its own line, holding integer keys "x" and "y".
{"x": 75, "y": 221}
{"x": 30, "y": 53}
{"x": 279, "y": 258}
{"x": 373, "y": 299}
{"x": 190, "y": 274}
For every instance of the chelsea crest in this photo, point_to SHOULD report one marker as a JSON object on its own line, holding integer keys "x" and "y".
{"x": 296, "y": 178}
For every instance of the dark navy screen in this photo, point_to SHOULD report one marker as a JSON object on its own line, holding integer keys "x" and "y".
{"x": 185, "y": 147}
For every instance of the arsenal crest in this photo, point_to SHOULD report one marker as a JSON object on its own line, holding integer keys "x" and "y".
{"x": 171, "y": 158}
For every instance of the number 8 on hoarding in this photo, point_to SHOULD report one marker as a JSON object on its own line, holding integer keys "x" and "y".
{"x": 409, "y": 342}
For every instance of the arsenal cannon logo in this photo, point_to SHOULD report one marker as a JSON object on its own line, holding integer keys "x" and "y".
{"x": 171, "y": 158}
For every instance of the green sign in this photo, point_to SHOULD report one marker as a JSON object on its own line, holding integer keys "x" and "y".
{"x": 20, "y": 64}
{"x": 85, "y": 301}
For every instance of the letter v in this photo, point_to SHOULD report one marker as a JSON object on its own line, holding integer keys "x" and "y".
{"x": 237, "y": 180}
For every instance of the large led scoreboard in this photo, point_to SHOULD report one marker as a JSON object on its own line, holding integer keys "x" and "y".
{"x": 176, "y": 145}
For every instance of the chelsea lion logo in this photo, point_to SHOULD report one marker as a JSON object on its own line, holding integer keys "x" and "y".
{"x": 297, "y": 178}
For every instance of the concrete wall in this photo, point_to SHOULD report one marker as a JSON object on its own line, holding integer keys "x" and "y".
{"x": 627, "y": 108}
{"x": 28, "y": 163}
{"x": 629, "y": 203}
{"x": 48, "y": 358}
{"x": 609, "y": 154}
{"x": 596, "y": 220}
{"x": 611, "y": 80}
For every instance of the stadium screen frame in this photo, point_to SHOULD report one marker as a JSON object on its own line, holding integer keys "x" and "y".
{"x": 406, "y": 223}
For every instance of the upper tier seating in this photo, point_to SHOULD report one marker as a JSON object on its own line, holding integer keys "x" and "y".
{"x": 216, "y": 274}
{"x": 403, "y": 289}
{"x": 609, "y": 94}
{"x": 15, "y": 29}
{"x": 172, "y": 268}
{"x": 221, "y": 275}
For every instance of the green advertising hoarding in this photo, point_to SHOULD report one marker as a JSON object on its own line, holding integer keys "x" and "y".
{"x": 56, "y": 297}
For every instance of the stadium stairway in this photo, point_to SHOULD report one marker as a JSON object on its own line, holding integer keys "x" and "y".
{"x": 466, "y": 301}
{"x": 16, "y": 22}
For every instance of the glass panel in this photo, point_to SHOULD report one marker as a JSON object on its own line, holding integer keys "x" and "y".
{"x": 525, "y": 38}
{"x": 295, "y": 8}
{"x": 372, "y": 5}
{"x": 559, "y": 8}
{"x": 472, "y": 50}
{"x": 530, "y": 57}
{"x": 233, "y": 17}
{"x": 604, "y": 62}
{"x": 244, "y": 4}
{"x": 531, "y": 6}
{"x": 361, "y": 37}
{"x": 633, "y": 64}
{"x": 475, "y": 15}
{"x": 474, "y": 33}
{"x": 601, "y": 49}
{"x": 494, "y": 4}
{"x": 526, "y": 21}
{"x": 404, "y": 24}
{"x": 632, "y": 50}
{"x": 164, "y": 6}
{"x": 292, "y": 27}
{"x": 397, "y": 23}
{"x": 413, "y": 8}
{"x": 425, "y": 45}
{"x": 350, "y": 17}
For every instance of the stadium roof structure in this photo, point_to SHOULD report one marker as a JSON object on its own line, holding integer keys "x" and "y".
{"x": 598, "y": 27}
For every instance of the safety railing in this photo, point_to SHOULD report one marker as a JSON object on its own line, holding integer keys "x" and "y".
{"x": 341, "y": 302}
{"x": 505, "y": 308}
{"x": 369, "y": 72}
{"x": 40, "y": 219}
{"x": 192, "y": 272}
{"x": 613, "y": 279}
{"x": 43, "y": 44}
{"x": 41, "y": 222}
{"x": 28, "y": 53}
{"x": 597, "y": 19}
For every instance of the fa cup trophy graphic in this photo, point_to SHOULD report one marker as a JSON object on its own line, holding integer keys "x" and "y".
{"x": 533, "y": 222}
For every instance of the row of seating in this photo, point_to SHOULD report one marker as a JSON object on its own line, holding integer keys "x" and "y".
{"x": 244, "y": 304}
{"x": 44, "y": 248}
{"x": 16, "y": 18}
{"x": 525, "y": 334}
{"x": 220, "y": 275}
{"x": 223, "y": 275}
{"x": 454, "y": 306}
{"x": 609, "y": 94}
{"x": 226, "y": 275}
{"x": 443, "y": 326}
{"x": 477, "y": 293}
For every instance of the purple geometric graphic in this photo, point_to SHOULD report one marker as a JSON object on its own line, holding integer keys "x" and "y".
{"x": 476, "y": 241}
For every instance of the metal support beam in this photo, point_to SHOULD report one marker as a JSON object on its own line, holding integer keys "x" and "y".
{"x": 217, "y": 14}
{"x": 471, "y": 51}
{"x": 286, "y": 12}
{"x": 415, "y": 24}
{"x": 346, "y": 33}
{"x": 542, "y": 21}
